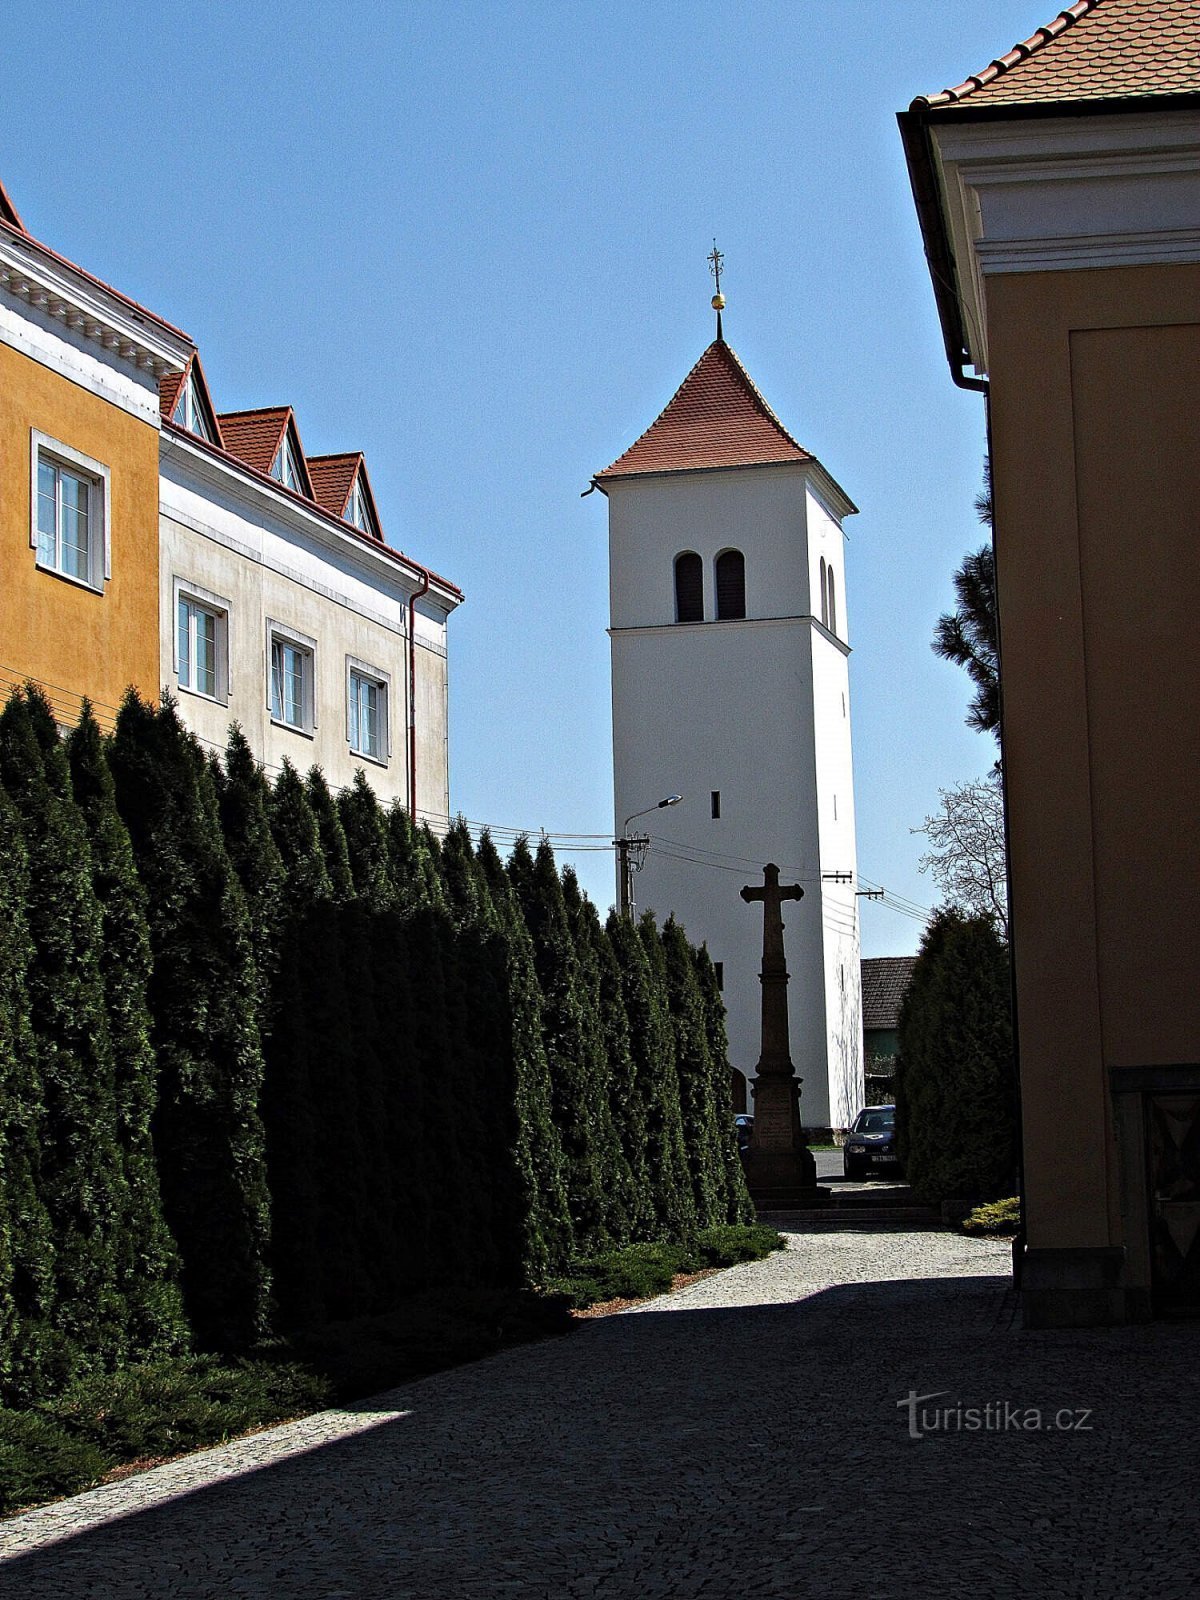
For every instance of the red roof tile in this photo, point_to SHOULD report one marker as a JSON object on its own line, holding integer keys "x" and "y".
{"x": 8, "y": 211}
{"x": 717, "y": 418}
{"x": 254, "y": 436}
{"x": 1094, "y": 50}
{"x": 172, "y": 382}
{"x": 333, "y": 478}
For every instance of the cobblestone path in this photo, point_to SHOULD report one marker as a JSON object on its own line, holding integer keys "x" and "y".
{"x": 739, "y": 1439}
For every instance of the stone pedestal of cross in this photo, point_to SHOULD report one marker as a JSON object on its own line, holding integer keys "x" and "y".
{"x": 779, "y": 1166}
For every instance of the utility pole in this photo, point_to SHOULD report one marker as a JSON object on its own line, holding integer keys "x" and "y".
{"x": 631, "y": 853}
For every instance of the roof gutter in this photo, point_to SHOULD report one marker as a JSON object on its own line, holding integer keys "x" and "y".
{"x": 416, "y": 595}
{"x": 939, "y": 256}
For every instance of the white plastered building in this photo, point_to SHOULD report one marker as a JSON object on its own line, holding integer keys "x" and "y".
{"x": 284, "y": 609}
{"x": 730, "y": 687}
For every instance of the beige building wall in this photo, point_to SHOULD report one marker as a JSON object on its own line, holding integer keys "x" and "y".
{"x": 264, "y": 568}
{"x": 1095, "y": 412}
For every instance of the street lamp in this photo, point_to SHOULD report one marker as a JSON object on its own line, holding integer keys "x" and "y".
{"x": 631, "y": 851}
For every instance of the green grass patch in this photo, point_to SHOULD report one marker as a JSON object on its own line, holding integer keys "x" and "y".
{"x": 999, "y": 1216}
{"x": 166, "y": 1408}
{"x": 640, "y": 1270}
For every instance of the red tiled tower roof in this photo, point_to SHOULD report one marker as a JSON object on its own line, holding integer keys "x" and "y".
{"x": 1094, "y": 50}
{"x": 717, "y": 418}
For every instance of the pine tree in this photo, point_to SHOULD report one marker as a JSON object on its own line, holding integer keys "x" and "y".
{"x": 695, "y": 1075}
{"x": 147, "y": 1260}
{"x": 81, "y": 1176}
{"x": 738, "y": 1205}
{"x": 652, "y": 1043}
{"x": 203, "y": 999}
{"x": 27, "y": 1341}
{"x": 414, "y": 875}
{"x": 548, "y": 1238}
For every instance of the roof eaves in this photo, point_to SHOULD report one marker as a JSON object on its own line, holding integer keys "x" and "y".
{"x": 267, "y": 481}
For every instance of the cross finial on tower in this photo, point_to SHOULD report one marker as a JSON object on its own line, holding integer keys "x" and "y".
{"x": 715, "y": 262}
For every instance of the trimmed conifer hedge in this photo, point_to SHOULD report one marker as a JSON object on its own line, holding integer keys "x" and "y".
{"x": 273, "y": 1059}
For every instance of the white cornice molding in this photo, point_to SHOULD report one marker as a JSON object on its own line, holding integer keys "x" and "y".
{"x": 1065, "y": 194}
{"x": 250, "y": 488}
{"x": 88, "y": 310}
{"x": 828, "y": 490}
{"x": 724, "y": 624}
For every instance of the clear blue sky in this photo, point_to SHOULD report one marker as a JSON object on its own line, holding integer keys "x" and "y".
{"x": 470, "y": 239}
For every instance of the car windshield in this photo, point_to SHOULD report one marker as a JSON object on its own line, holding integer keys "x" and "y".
{"x": 875, "y": 1122}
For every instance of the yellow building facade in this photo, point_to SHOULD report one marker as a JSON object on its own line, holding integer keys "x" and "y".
{"x": 79, "y": 478}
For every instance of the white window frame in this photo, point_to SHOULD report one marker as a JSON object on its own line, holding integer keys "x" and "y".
{"x": 281, "y": 633}
{"x": 286, "y": 459}
{"x": 184, "y": 592}
{"x": 42, "y": 446}
{"x": 358, "y": 508}
{"x": 383, "y": 682}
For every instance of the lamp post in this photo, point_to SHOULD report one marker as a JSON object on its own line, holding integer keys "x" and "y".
{"x": 631, "y": 852}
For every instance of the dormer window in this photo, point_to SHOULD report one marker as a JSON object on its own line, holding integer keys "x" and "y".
{"x": 189, "y": 409}
{"x": 358, "y": 509}
{"x": 285, "y": 468}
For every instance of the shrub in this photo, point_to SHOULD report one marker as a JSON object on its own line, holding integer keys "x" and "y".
{"x": 725, "y": 1246}
{"x": 40, "y": 1461}
{"x": 173, "y": 1406}
{"x": 1001, "y": 1216}
{"x": 956, "y": 1085}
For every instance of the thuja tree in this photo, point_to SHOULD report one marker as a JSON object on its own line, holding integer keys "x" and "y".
{"x": 578, "y": 1074}
{"x": 955, "y": 1083}
{"x": 311, "y": 1097}
{"x": 81, "y": 1176}
{"x": 203, "y": 999}
{"x": 738, "y": 1205}
{"x": 548, "y": 1237}
{"x": 147, "y": 1261}
{"x": 26, "y": 1234}
{"x": 244, "y": 798}
{"x": 630, "y": 1213}
{"x": 652, "y": 1045}
{"x": 696, "y": 1086}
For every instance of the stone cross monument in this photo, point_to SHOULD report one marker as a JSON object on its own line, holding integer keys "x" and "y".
{"x": 779, "y": 1161}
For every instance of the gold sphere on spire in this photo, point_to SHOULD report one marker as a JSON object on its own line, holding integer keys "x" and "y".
{"x": 718, "y": 302}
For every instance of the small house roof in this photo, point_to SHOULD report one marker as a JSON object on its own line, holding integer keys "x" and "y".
{"x": 884, "y": 981}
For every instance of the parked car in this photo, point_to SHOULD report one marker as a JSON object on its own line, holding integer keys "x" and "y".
{"x": 745, "y": 1127}
{"x": 871, "y": 1143}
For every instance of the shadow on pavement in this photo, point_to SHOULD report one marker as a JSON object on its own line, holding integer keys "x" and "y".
{"x": 755, "y": 1450}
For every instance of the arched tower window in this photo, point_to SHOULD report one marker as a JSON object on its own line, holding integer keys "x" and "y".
{"x": 731, "y": 585}
{"x": 832, "y": 604}
{"x": 824, "y": 595}
{"x": 689, "y": 588}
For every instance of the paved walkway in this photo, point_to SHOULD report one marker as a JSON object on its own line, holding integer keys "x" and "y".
{"x": 739, "y": 1439}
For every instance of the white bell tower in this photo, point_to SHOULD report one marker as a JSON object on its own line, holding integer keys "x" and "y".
{"x": 728, "y": 621}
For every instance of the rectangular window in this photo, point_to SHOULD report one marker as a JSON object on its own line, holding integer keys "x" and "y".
{"x": 292, "y": 687}
{"x": 716, "y": 803}
{"x": 367, "y": 710}
{"x": 70, "y": 502}
{"x": 197, "y": 648}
